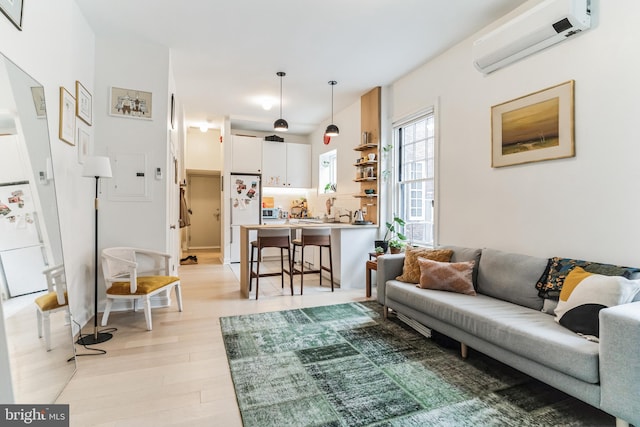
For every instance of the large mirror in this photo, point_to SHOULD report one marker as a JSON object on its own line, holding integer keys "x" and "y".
{"x": 36, "y": 344}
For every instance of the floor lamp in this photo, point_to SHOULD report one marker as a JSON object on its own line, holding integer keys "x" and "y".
{"x": 96, "y": 167}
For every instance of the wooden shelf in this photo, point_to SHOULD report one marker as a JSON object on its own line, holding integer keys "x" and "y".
{"x": 369, "y": 170}
{"x": 363, "y": 147}
{"x": 367, "y": 163}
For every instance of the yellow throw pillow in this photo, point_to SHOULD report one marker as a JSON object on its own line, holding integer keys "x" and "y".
{"x": 447, "y": 276}
{"x": 584, "y": 294}
{"x": 411, "y": 268}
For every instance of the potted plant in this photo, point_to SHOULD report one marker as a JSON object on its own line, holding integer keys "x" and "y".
{"x": 379, "y": 250}
{"x": 396, "y": 246}
{"x": 392, "y": 234}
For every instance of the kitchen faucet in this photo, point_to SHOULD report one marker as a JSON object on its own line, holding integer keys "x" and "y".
{"x": 349, "y": 214}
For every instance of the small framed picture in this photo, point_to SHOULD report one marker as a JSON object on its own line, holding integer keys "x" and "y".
{"x": 67, "y": 127}
{"x": 83, "y": 103}
{"x": 131, "y": 103}
{"x": 37, "y": 93}
{"x": 12, "y": 9}
{"x": 84, "y": 143}
{"x": 534, "y": 128}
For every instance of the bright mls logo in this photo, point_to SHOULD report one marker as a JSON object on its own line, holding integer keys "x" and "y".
{"x": 34, "y": 415}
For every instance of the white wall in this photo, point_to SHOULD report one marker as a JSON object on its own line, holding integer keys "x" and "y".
{"x": 141, "y": 66}
{"x": 584, "y": 207}
{"x": 56, "y": 47}
{"x": 348, "y": 121}
{"x": 204, "y": 150}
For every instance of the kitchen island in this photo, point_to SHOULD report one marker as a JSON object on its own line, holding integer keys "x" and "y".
{"x": 349, "y": 245}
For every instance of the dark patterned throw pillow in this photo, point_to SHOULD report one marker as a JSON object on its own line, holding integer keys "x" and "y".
{"x": 550, "y": 283}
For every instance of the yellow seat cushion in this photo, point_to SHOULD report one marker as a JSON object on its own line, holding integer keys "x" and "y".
{"x": 146, "y": 284}
{"x": 49, "y": 301}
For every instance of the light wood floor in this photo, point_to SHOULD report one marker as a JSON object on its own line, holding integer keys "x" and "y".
{"x": 177, "y": 374}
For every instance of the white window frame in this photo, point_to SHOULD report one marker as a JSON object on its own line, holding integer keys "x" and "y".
{"x": 397, "y": 176}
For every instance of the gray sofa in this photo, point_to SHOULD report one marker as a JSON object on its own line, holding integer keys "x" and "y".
{"x": 504, "y": 321}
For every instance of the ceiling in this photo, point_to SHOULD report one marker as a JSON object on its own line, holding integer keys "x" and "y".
{"x": 225, "y": 54}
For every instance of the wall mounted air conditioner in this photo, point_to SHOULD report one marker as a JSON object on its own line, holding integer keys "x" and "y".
{"x": 545, "y": 24}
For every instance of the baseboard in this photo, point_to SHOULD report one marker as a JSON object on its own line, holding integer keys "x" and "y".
{"x": 419, "y": 327}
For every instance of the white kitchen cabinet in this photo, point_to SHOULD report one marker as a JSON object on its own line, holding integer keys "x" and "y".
{"x": 274, "y": 166}
{"x": 246, "y": 154}
{"x": 299, "y": 165}
{"x": 286, "y": 165}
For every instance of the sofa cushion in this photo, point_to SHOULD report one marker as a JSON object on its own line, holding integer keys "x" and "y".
{"x": 411, "y": 268}
{"x": 511, "y": 277}
{"x": 462, "y": 254}
{"x": 584, "y": 294}
{"x": 550, "y": 283}
{"x": 529, "y": 333}
{"x": 446, "y": 276}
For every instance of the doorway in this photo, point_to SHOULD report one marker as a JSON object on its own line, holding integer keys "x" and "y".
{"x": 206, "y": 211}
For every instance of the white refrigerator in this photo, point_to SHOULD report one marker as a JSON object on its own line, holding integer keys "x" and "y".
{"x": 22, "y": 255}
{"x": 246, "y": 207}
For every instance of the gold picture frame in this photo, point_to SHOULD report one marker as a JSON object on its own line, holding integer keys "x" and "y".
{"x": 84, "y": 109}
{"x": 534, "y": 128}
{"x": 67, "y": 125}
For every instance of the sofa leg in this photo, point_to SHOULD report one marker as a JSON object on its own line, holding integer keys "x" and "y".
{"x": 386, "y": 312}
{"x": 464, "y": 350}
{"x": 621, "y": 423}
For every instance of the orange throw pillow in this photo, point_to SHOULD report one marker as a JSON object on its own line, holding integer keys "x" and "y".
{"x": 411, "y": 269}
{"x": 447, "y": 276}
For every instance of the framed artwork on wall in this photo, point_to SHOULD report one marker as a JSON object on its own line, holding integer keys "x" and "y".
{"x": 130, "y": 103}
{"x": 84, "y": 108}
{"x": 84, "y": 144}
{"x": 67, "y": 126}
{"x": 12, "y": 9}
{"x": 533, "y": 128}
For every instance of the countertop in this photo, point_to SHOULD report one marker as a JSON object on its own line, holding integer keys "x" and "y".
{"x": 306, "y": 223}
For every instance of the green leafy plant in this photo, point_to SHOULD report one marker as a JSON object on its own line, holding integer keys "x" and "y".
{"x": 386, "y": 150}
{"x": 379, "y": 250}
{"x": 393, "y": 229}
{"x": 396, "y": 244}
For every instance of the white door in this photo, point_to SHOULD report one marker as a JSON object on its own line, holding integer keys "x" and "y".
{"x": 204, "y": 202}
{"x": 173, "y": 188}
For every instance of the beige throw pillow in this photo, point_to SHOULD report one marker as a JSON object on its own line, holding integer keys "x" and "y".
{"x": 411, "y": 269}
{"x": 447, "y": 276}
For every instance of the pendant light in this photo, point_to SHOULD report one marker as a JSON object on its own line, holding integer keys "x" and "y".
{"x": 332, "y": 130}
{"x": 281, "y": 124}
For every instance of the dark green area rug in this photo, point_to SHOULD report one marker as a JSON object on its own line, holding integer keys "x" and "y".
{"x": 344, "y": 365}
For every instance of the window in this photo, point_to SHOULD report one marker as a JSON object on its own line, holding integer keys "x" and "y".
{"x": 415, "y": 177}
{"x": 327, "y": 172}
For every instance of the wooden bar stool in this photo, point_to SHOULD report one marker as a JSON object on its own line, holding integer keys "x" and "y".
{"x": 312, "y": 236}
{"x": 271, "y": 238}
